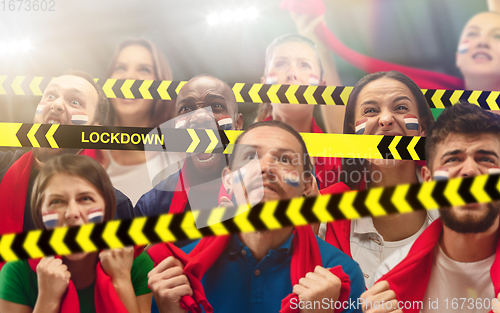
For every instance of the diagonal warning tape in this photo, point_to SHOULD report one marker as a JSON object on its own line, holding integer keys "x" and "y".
{"x": 263, "y": 216}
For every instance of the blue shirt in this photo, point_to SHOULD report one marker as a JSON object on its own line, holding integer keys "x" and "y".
{"x": 237, "y": 282}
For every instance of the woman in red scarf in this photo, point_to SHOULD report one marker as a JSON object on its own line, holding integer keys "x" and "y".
{"x": 74, "y": 190}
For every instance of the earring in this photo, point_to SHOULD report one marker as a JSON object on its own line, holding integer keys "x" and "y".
{"x": 304, "y": 195}
{"x": 228, "y": 191}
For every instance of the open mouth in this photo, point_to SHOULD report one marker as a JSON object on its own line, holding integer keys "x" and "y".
{"x": 481, "y": 56}
{"x": 52, "y": 120}
{"x": 204, "y": 157}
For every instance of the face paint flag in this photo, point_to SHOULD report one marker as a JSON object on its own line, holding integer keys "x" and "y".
{"x": 411, "y": 122}
{"x": 96, "y": 215}
{"x": 291, "y": 179}
{"x": 313, "y": 80}
{"x": 360, "y": 126}
{"x": 39, "y": 108}
{"x": 272, "y": 79}
{"x": 79, "y": 119}
{"x": 50, "y": 219}
{"x": 494, "y": 170}
{"x": 225, "y": 122}
{"x": 180, "y": 123}
{"x": 441, "y": 173}
{"x": 463, "y": 47}
{"x": 239, "y": 175}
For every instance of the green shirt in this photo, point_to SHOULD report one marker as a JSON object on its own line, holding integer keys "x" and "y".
{"x": 18, "y": 283}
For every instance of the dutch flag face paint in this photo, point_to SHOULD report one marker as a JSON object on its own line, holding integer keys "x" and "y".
{"x": 441, "y": 173}
{"x": 180, "y": 123}
{"x": 79, "y": 118}
{"x": 411, "y": 122}
{"x": 291, "y": 179}
{"x": 272, "y": 79}
{"x": 360, "y": 126}
{"x": 313, "y": 80}
{"x": 463, "y": 47}
{"x": 39, "y": 108}
{"x": 50, "y": 219}
{"x": 96, "y": 215}
{"x": 225, "y": 122}
{"x": 494, "y": 170}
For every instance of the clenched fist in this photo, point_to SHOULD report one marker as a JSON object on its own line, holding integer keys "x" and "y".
{"x": 380, "y": 293}
{"x": 316, "y": 286}
{"x": 53, "y": 279}
{"x": 117, "y": 263}
{"x": 169, "y": 284}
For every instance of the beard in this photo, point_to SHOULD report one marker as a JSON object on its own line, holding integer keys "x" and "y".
{"x": 45, "y": 154}
{"x": 468, "y": 223}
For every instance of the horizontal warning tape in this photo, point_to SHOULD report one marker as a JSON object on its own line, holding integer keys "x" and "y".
{"x": 265, "y": 216}
{"x": 200, "y": 140}
{"x": 246, "y": 92}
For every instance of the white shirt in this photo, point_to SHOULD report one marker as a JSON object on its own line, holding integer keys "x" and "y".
{"x": 369, "y": 249}
{"x": 136, "y": 180}
{"x": 455, "y": 280}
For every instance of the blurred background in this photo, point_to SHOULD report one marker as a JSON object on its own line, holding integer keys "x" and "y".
{"x": 222, "y": 37}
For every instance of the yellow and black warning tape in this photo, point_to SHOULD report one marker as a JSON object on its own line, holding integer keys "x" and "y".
{"x": 200, "y": 140}
{"x": 265, "y": 216}
{"x": 246, "y": 92}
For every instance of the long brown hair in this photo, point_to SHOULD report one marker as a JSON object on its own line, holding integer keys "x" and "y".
{"x": 425, "y": 114}
{"x": 76, "y": 165}
{"x": 162, "y": 110}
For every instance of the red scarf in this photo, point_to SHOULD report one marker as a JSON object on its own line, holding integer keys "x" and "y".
{"x": 338, "y": 233}
{"x": 305, "y": 257}
{"x": 180, "y": 198}
{"x": 423, "y": 78}
{"x": 13, "y": 192}
{"x": 106, "y": 298}
{"x": 409, "y": 279}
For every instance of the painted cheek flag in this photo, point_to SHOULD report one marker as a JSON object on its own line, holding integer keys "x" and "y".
{"x": 411, "y": 122}
{"x": 96, "y": 215}
{"x": 225, "y": 122}
{"x": 39, "y": 108}
{"x": 463, "y": 47}
{"x": 360, "y": 126}
{"x": 79, "y": 118}
{"x": 313, "y": 80}
{"x": 291, "y": 179}
{"x": 50, "y": 219}
{"x": 441, "y": 173}
{"x": 494, "y": 170}
{"x": 272, "y": 79}
{"x": 180, "y": 123}
{"x": 239, "y": 175}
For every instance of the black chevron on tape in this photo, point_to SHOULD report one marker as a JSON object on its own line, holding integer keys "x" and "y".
{"x": 412, "y": 199}
{"x": 70, "y": 239}
{"x": 8, "y": 85}
{"x": 40, "y": 135}
{"x": 175, "y": 227}
{"x": 43, "y": 242}
{"x": 481, "y": 100}
{"x": 44, "y": 83}
{"x": 420, "y": 148}
{"x": 244, "y": 92}
{"x": 280, "y": 214}
{"x": 96, "y": 236}
{"x": 446, "y": 98}
{"x": 464, "y": 191}
{"x": 149, "y": 229}
{"x": 228, "y": 221}
{"x": 22, "y": 135}
{"x": 383, "y": 147}
{"x": 385, "y": 200}
{"x": 307, "y": 212}
{"x": 254, "y": 216}
{"x": 117, "y": 88}
{"x": 281, "y": 93}
{"x": 465, "y": 95}
{"x": 428, "y": 96}
{"x": 299, "y": 94}
{"x": 263, "y": 93}
{"x": 153, "y": 89}
{"x": 333, "y": 208}
{"x": 318, "y": 94}
{"x": 122, "y": 233}
{"x": 402, "y": 148}
{"x": 25, "y": 86}
{"x": 135, "y": 89}
{"x": 171, "y": 90}
{"x": 360, "y": 203}
{"x": 438, "y": 195}
{"x": 17, "y": 246}
{"x": 206, "y": 231}
{"x": 204, "y": 141}
{"x": 336, "y": 96}
{"x": 491, "y": 186}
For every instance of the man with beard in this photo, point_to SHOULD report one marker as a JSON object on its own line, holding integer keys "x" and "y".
{"x": 288, "y": 268}
{"x": 73, "y": 98}
{"x": 206, "y": 101}
{"x": 455, "y": 257}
